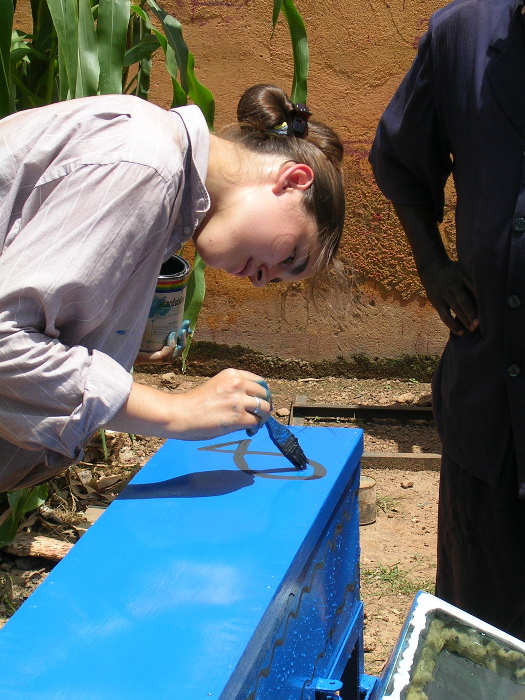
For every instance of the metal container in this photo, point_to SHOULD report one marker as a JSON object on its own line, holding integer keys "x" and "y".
{"x": 367, "y": 500}
{"x": 167, "y": 308}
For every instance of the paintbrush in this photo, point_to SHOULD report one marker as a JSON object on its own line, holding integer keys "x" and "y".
{"x": 287, "y": 443}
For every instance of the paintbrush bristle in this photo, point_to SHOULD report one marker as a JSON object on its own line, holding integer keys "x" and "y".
{"x": 287, "y": 443}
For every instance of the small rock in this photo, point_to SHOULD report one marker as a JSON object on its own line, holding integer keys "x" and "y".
{"x": 282, "y": 412}
{"x": 383, "y": 401}
{"x": 184, "y": 386}
{"x": 93, "y": 513}
{"x": 169, "y": 378}
{"x": 369, "y": 646}
{"x": 127, "y": 456}
{"x": 50, "y": 514}
{"x": 407, "y": 484}
{"x": 405, "y": 398}
{"x": 85, "y": 476}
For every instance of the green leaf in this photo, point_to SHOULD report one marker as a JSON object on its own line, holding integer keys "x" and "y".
{"x": 200, "y": 95}
{"x": 195, "y": 292}
{"x": 29, "y": 99}
{"x": 105, "y": 450}
{"x": 277, "y": 5}
{"x": 173, "y": 30}
{"x": 137, "y": 9}
{"x": 21, "y": 502}
{"x": 112, "y": 30}
{"x": 6, "y": 25}
{"x": 143, "y": 78}
{"x": 65, "y": 18}
{"x": 144, "y": 49}
{"x": 18, "y": 54}
{"x": 88, "y": 66}
{"x": 300, "y": 51}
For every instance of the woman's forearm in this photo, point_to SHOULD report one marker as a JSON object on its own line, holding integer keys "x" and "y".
{"x": 224, "y": 403}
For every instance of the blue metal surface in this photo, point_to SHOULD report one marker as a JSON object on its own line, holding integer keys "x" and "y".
{"x": 185, "y": 585}
{"x": 370, "y": 686}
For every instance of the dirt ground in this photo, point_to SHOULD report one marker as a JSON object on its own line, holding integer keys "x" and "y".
{"x": 397, "y": 550}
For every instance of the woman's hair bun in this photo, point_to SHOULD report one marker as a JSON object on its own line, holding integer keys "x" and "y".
{"x": 263, "y": 107}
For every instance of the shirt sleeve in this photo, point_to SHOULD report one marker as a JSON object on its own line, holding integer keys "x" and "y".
{"x": 65, "y": 266}
{"x": 410, "y": 158}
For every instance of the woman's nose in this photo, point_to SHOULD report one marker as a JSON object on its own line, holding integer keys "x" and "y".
{"x": 260, "y": 277}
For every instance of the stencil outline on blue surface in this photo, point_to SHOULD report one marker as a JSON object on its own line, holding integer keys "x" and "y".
{"x": 292, "y": 473}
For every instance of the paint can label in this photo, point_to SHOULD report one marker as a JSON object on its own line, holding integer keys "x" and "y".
{"x": 167, "y": 308}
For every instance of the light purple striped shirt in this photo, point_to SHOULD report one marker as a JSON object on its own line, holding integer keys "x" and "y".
{"x": 90, "y": 206}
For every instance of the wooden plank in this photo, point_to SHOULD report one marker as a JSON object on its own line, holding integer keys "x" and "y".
{"x": 32, "y": 545}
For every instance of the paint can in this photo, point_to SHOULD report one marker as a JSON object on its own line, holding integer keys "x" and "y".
{"x": 167, "y": 308}
{"x": 367, "y": 500}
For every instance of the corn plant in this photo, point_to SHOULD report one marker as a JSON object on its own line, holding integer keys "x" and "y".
{"x": 16, "y": 504}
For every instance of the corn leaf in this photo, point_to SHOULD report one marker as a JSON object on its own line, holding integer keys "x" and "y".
{"x": 195, "y": 292}
{"x": 21, "y": 502}
{"x": 300, "y": 51}
{"x": 112, "y": 29}
{"x": 41, "y": 76}
{"x": 143, "y": 78}
{"x": 144, "y": 49}
{"x": 65, "y": 18}
{"x": 277, "y": 5}
{"x": 173, "y": 29}
{"x": 179, "y": 96}
{"x": 200, "y": 95}
{"x": 6, "y": 25}
{"x": 88, "y": 66}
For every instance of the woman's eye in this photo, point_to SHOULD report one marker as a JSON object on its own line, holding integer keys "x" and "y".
{"x": 290, "y": 259}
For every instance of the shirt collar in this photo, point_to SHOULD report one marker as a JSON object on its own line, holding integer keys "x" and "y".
{"x": 199, "y": 134}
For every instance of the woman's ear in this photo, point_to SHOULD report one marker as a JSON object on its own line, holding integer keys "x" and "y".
{"x": 293, "y": 176}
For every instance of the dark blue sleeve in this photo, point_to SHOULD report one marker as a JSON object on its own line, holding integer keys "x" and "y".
{"x": 410, "y": 158}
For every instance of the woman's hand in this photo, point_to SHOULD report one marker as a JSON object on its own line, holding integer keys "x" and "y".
{"x": 225, "y": 403}
{"x": 175, "y": 344}
{"x": 231, "y": 400}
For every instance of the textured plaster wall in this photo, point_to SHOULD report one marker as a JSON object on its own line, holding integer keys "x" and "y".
{"x": 359, "y": 51}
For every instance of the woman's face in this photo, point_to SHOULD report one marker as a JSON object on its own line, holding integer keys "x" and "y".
{"x": 263, "y": 234}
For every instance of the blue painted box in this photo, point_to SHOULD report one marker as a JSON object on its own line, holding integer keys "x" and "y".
{"x": 220, "y": 572}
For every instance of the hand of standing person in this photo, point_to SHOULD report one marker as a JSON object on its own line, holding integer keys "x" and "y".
{"x": 451, "y": 293}
{"x": 448, "y": 288}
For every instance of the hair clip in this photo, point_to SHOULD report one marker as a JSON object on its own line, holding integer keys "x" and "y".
{"x": 298, "y": 120}
{"x": 281, "y": 129}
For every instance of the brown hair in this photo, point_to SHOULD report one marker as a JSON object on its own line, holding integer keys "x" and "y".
{"x": 263, "y": 108}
